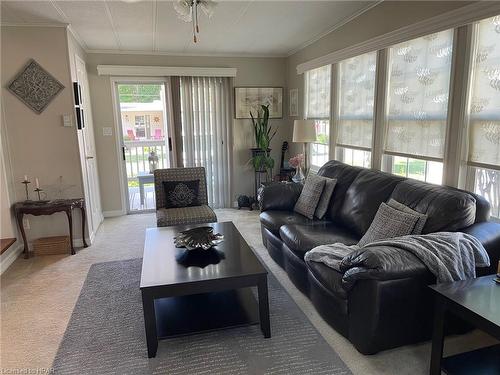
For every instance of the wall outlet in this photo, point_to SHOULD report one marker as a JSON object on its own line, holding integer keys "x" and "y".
{"x": 26, "y": 223}
{"x": 67, "y": 121}
{"x": 107, "y": 131}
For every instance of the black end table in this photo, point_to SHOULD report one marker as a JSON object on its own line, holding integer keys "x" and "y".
{"x": 476, "y": 301}
{"x": 185, "y": 292}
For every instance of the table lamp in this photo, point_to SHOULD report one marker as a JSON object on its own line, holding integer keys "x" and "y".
{"x": 304, "y": 131}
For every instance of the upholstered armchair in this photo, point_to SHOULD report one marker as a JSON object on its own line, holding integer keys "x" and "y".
{"x": 183, "y": 215}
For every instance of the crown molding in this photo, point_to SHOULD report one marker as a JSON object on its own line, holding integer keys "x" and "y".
{"x": 162, "y": 53}
{"x": 448, "y": 20}
{"x": 337, "y": 26}
{"x": 33, "y": 24}
{"x": 164, "y": 71}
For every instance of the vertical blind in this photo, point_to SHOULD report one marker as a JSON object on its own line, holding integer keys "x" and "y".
{"x": 356, "y": 93}
{"x": 206, "y": 132}
{"x": 484, "y": 144}
{"x": 419, "y": 81}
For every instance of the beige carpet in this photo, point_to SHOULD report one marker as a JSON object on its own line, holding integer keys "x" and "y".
{"x": 38, "y": 296}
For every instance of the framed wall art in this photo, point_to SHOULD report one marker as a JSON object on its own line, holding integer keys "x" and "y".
{"x": 294, "y": 102}
{"x": 249, "y": 99}
{"x": 35, "y": 87}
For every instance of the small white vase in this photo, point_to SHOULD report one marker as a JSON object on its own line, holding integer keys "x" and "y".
{"x": 299, "y": 175}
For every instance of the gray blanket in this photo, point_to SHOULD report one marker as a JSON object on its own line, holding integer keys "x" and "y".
{"x": 449, "y": 256}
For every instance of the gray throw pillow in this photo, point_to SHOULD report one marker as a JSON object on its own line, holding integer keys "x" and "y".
{"x": 422, "y": 218}
{"x": 388, "y": 223}
{"x": 310, "y": 195}
{"x": 326, "y": 196}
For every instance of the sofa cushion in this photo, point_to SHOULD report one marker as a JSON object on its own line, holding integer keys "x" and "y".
{"x": 328, "y": 277}
{"x": 310, "y": 196}
{"x": 389, "y": 223}
{"x": 447, "y": 209}
{"x": 363, "y": 198}
{"x": 324, "y": 201}
{"x": 273, "y": 220}
{"x": 345, "y": 175}
{"x": 302, "y": 238}
{"x": 422, "y": 218}
{"x": 166, "y": 217}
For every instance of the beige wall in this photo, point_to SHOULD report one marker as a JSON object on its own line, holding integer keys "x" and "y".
{"x": 39, "y": 145}
{"x": 384, "y": 18}
{"x": 251, "y": 72}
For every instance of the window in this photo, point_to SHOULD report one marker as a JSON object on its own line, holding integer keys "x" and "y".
{"x": 418, "y": 91}
{"x": 355, "y": 118}
{"x": 317, "y": 88}
{"x": 354, "y": 157}
{"x": 484, "y": 113}
{"x": 418, "y": 169}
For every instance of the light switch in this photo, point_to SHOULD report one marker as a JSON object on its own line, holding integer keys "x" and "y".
{"x": 67, "y": 121}
{"x": 107, "y": 131}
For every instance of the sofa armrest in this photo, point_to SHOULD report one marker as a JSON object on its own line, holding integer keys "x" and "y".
{"x": 381, "y": 263}
{"x": 488, "y": 233}
{"x": 280, "y": 197}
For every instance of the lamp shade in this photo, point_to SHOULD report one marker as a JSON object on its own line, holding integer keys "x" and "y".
{"x": 304, "y": 131}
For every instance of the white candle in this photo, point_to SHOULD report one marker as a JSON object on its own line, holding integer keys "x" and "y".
{"x": 25, "y": 177}
{"x": 37, "y": 183}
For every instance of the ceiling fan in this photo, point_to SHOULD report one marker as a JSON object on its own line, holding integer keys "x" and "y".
{"x": 187, "y": 10}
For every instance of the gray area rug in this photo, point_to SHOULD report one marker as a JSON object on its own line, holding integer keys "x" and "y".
{"x": 105, "y": 335}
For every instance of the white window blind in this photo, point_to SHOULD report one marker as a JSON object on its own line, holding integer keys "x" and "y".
{"x": 484, "y": 117}
{"x": 318, "y": 86}
{"x": 418, "y": 91}
{"x": 206, "y": 126}
{"x": 318, "y": 93}
{"x": 356, "y": 92}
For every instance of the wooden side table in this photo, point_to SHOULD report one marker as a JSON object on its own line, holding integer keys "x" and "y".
{"x": 476, "y": 301}
{"x": 48, "y": 208}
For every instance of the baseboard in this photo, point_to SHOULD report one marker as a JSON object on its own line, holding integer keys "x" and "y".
{"x": 7, "y": 258}
{"x": 113, "y": 213}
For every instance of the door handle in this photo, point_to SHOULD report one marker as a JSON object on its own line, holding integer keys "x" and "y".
{"x": 89, "y": 157}
{"x": 123, "y": 152}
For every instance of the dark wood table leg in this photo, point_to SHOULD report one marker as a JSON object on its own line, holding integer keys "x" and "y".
{"x": 19, "y": 217}
{"x": 82, "y": 208}
{"x": 69, "y": 214}
{"x": 265, "y": 323}
{"x": 438, "y": 336}
{"x": 148, "y": 306}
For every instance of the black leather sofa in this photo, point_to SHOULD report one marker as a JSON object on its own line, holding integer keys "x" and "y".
{"x": 391, "y": 306}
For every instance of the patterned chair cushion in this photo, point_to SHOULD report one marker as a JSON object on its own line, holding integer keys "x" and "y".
{"x": 181, "y": 193}
{"x": 166, "y": 217}
{"x": 179, "y": 174}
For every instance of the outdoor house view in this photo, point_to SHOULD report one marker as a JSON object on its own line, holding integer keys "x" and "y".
{"x": 145, "y": 147}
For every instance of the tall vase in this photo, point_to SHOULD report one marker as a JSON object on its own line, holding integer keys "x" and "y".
{"x": 299, "y": 175}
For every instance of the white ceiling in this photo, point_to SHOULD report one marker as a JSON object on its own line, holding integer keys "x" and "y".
{"x": 271, "y": 28}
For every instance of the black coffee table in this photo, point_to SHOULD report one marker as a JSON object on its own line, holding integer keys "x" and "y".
{"x": 185, "y": 292}
{"x": 476, "y": 301}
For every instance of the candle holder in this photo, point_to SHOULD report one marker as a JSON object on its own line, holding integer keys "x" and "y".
{"x": 26, "y": 183}
{"x": 38, "y": 191}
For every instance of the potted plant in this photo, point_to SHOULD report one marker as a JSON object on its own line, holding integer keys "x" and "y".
{"x": 261, "y": 155}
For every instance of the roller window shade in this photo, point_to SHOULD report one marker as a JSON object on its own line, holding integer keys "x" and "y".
{"x": 418, "y": 92}
{"x": 356, "y": 91}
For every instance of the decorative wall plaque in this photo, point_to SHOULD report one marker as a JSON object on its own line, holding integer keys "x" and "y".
{"x": 35, "y": 87}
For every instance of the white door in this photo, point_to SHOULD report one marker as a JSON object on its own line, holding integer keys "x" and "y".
{"x": 88, "y": 155}
{"x": 143, "y": 116}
